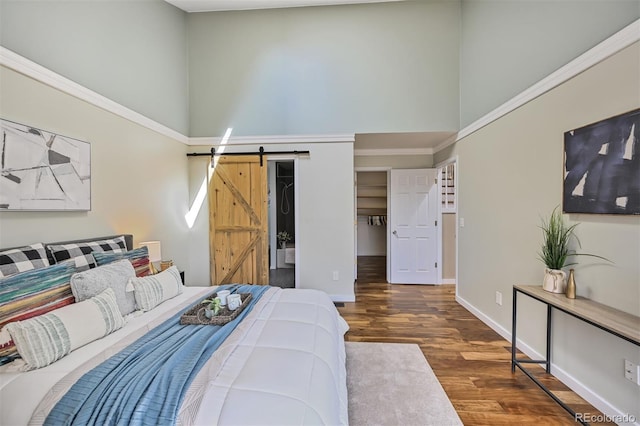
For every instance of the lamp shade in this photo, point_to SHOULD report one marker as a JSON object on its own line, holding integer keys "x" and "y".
{"x": 155, "y": 252}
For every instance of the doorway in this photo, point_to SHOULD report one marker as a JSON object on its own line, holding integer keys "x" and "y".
{"x": 282, "y": 223}
{"x": 373, "y": 198}
{"x": 371, "y": 225}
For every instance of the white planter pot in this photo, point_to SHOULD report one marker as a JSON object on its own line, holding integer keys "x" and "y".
{"x": 555, "y": 280}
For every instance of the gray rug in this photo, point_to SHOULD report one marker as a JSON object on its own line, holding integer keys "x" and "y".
{"x": 392, "y": 384}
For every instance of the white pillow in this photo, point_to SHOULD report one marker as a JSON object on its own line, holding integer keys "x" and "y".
{"x": 152, "y": 290}
{"x": 46, "y": 338}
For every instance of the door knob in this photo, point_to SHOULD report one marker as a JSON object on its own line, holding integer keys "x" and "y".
{"x": 395, "y": 233}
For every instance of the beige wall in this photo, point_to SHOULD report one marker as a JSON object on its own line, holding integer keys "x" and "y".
{"x": 449, "y": 246}
{"x": 138, "y": 177}
{"x": 510, "y": 176}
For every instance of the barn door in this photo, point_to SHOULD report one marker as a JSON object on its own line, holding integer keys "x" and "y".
{"x": 238, "y": 226}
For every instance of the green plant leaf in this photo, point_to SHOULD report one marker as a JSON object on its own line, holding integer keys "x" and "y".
{"x": 557, "y": 236}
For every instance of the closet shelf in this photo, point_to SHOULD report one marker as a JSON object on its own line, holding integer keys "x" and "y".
{"x": 371, "y": 212}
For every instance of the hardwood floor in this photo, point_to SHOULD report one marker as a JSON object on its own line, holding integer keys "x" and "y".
{"x": 472, "y": 362}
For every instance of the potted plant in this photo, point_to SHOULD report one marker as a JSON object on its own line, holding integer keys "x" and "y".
{"x": 213, "y": 306}
{"x": 557, "y": 236}
{"x": 283, "y": 238}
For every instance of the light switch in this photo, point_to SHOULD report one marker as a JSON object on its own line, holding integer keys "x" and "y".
{"x": 462, "y": 222}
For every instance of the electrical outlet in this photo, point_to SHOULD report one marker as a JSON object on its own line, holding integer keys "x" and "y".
{"x": 631, "y": 371}
{"x": 335, "y": 275}
{"x": 498, "y": 298}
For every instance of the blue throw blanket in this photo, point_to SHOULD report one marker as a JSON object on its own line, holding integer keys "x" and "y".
{"x": 145, "y": 383}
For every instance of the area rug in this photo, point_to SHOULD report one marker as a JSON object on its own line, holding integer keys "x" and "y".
{"x": 392, "y": 384}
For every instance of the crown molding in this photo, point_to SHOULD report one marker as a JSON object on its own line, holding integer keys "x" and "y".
{"x": 273, "y": 139}
{"x": 622, "y": 39}
{"x": 37, "y": 72}
{"x": 392, "y": 151}
{"x": 614, "y": 44}
{"x": 449, "y": 141}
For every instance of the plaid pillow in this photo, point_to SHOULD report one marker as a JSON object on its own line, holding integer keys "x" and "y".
{"x": 81, "y": 252}
{"x": 22, "y": 259}
{"x": 139, "y": 258}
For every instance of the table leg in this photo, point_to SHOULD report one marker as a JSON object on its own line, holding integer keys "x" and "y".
{"x": 513, "y": 330}
{"x": 548, "y": 363}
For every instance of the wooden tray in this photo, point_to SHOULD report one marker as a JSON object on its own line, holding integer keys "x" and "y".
{"x": 196, "y": 315}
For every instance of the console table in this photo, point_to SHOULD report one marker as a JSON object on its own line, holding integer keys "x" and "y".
{"x": 614, "y": 321}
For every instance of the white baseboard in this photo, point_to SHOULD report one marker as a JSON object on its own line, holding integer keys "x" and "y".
{"x": 448, "y": 281}
{"x": 485, "y": 319}
{"x": 571, "y": 382}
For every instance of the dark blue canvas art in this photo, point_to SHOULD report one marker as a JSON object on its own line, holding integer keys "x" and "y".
{"x": 602, "y": 167}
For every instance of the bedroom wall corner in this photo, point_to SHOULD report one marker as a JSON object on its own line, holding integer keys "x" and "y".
{"x": 139, "y": 183}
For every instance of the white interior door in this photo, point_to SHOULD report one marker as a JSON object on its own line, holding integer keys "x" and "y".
{"x": 412, "y": 231}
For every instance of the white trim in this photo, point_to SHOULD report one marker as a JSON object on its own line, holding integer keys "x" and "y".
{"x": 449, "y": 160}
{"x": 485, "y": 319}
{"x": 372, "y": 169}
{"x": 392, "y": 151}
{"x": 37, "y": 72}
{"x": 449, "y": 141}
{"x": 571, "y": 382}
{"x": 620, "y": 40}
{"x": 296, "y": 219}
{"x": 448, "y": 281}
{"x": 273, "y": 139}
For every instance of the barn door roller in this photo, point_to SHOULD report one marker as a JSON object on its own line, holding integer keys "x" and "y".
{"x": 261, "y": 152}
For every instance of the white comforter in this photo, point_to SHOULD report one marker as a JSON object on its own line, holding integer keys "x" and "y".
{"x": 284, "y": 364}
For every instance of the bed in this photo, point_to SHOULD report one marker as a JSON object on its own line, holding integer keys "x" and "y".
{"x": 283, "y": 363}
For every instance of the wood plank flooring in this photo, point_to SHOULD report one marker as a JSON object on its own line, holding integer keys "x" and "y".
{"x": 472, "y": 362}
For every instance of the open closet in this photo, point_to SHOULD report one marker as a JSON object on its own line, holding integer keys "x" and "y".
{"x": 371, "y": 209}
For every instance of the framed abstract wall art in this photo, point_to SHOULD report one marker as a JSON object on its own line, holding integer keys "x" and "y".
{"x": 602, "y": 167}
{"x": 40, "y": 170}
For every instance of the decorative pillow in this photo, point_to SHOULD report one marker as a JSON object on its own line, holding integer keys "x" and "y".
{"x": 81, "y": 252}
{"x": 29, "y": 294}
{"x": 152, "y": 290}
{"x": 139, "y": 258}
{"x": 87, "y": 284}
{"x": 47, "y": 338}
{"x": 22, "y": 259}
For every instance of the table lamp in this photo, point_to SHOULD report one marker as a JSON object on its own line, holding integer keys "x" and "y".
{"x": 155, "y": 253}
